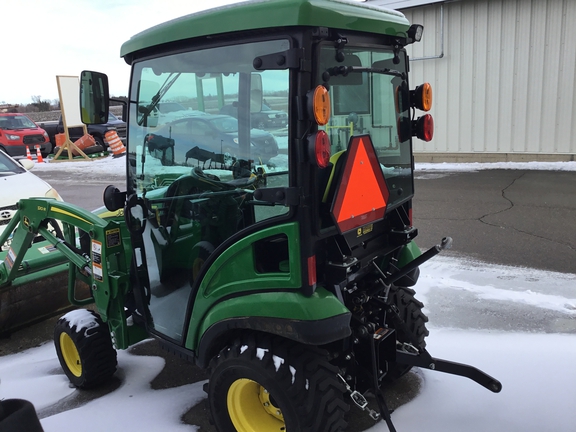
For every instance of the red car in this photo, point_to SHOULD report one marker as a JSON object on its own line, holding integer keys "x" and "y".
{"x": 17, "y": 131}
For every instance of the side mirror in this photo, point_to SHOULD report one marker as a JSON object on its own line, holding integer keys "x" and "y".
{"x": 26, "y": 163}
{"x": 94, "y": 95}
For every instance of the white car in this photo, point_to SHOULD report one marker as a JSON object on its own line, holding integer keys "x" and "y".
{"x": 16, "y": 182}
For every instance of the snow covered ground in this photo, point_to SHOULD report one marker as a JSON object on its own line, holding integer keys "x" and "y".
{"x": 531, "y": 349}
{"x": 537, "y": 369}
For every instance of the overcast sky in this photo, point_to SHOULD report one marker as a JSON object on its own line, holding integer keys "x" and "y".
{"x": 43, "y": 39}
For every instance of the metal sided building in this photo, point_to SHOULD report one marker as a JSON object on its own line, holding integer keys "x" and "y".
{"x": 503, "y": 74}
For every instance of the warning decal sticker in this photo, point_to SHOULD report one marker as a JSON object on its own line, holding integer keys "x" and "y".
{"x": 113, "y": 237}
{"x": 97, "y": 260}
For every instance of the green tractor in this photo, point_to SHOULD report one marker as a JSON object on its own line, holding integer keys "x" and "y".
{"x": 280, "y": 257}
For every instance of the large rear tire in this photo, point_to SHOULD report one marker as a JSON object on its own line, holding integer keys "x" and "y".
{"x": 261, "y": 383}
{"x": 415, "y": 332}
{"x": 84, "y": 348}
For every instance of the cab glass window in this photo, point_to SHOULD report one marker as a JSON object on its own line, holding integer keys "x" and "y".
{"x": 207, "y": 130}
{"x": 370, "y": 100}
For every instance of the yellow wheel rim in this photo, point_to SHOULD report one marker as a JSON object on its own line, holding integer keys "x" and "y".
{"x": 70, "y": 354}
{"x": 252, "y": 409}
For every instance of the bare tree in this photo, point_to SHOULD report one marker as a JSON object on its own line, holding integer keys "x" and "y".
{"x": 42, "y": 105}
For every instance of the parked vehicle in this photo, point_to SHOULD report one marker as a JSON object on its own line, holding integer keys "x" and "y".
{"x": 17, "y": 132}
{"x": 16, "y": 182}
{"x": 41, "y": 293}
{"x": 217, "y": 134}
{"x": 170, "y": 107}
{"x": 97, "y": 131}
{"x": 166, "y": 112}
{"x": 266, "y": 118}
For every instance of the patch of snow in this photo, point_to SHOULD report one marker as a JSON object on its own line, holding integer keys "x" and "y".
{"x": 536, "y": 370}
{"x": 479, "y": 166}
{"x": 108, "y": 165}
{"x": 82, "y": 319}
{"x": 293, "y": 372}
{"x": 31, "y": 375}
{"x": 540, "y": 289}
{"x": 260, "y": 352}
{"x": 278, "y": 361}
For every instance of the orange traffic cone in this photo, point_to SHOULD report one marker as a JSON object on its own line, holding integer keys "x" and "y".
{"x": 39, "y": 157}
{"x": 115, "y": 143}
{"x": 28, "y": 155}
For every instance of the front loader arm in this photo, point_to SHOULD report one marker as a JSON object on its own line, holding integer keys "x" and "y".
{"x": 104, "y": 267}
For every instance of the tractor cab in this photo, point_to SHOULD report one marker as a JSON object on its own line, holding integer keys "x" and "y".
{"x": 305, "y": 202}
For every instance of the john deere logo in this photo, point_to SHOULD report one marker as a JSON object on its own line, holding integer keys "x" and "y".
{"x": 26, "y": 221}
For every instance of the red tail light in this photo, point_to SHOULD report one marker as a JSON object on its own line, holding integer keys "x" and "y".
{"x": 322, "y": 149}
{"x": 319, "y": 149}
{"x": 423, "y": 128}
{"x": 312, "y": 270}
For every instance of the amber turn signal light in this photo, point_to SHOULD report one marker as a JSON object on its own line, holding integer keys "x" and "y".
{"x": 422, "y": 97}
{"x": 321, "y": 105}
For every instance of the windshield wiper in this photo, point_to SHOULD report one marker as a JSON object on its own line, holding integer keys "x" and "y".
{"x": 345, "y": 70}
{"x": 157, "y": 97}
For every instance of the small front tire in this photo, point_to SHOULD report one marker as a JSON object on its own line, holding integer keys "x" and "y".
{"x": 84, "y": 348}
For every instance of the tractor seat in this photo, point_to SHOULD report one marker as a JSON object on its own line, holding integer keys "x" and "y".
{"x": 328, "y": 180}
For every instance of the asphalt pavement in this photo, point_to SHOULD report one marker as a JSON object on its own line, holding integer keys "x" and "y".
{"x": 510, "y": 217}
{"x": 514, "y": 217}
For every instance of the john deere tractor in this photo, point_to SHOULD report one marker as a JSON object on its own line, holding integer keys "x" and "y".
{"x": 280, "y": 259}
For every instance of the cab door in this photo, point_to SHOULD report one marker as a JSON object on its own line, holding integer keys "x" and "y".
{"x": 202, "y": 204}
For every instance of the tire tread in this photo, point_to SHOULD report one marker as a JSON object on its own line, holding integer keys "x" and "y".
{"x": 316, "y": 391}
{"x": 95, "y": 349}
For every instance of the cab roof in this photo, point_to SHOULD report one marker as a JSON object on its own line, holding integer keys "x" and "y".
{"x": 260, "y": 14}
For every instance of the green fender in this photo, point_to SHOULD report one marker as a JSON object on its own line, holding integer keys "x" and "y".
{"x": 409, "y": 253}
{"x": 315, "y": 320}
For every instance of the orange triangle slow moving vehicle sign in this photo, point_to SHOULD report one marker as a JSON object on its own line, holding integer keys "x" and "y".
{"x": 362, "y": 194}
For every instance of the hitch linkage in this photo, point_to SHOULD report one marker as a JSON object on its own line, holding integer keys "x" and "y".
{"x": 359, "y": 400}
{"x": 424, "y": 360}
{"x": 420, "y": 356}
